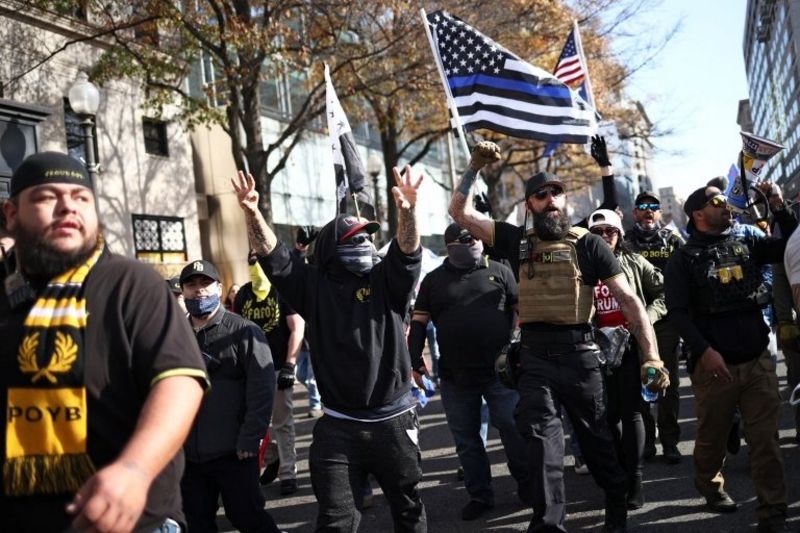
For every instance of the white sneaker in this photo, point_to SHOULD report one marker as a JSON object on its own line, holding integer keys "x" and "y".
{"x": 580, "y": 468}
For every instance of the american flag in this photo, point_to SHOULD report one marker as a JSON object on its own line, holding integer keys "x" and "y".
{"x": 572, "y": 71}
{"x": 570, "y": 68}
{"x": 494, "y": 89}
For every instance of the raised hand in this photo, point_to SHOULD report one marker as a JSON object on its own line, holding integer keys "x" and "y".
{"x": 246, "y": 193}
{"x": 483, "y": 153}
{"x": 405, "y": 192}
{"x": 599, "y": 151}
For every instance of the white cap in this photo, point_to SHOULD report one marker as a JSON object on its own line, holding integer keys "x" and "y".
{"x": 606, "y": 217}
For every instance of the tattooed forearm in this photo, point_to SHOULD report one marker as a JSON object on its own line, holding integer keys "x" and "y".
{"x": 467, "y": 180}
{"x": 407, "y": 234}
{"x": 639, "y": 326}
{"x": 262, "y": 239}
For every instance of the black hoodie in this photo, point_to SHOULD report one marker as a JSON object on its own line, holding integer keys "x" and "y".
{"x": 356, "y": 332}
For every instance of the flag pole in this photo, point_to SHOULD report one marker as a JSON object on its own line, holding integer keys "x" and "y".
{"x": 579, "y": 45}
{"x": 450, "y": 101}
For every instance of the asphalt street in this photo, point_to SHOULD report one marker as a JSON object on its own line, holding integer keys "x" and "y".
{"x": 672, "y": 503}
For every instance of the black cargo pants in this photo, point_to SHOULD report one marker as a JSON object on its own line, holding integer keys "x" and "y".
{"x": 569, "y": 374}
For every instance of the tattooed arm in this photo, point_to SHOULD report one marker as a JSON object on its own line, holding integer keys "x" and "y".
{"x": 262, "y": 239}
{"x": 479, "y": 225}
{"x": 636, "y": 315}
{"x": 405, "y": 197}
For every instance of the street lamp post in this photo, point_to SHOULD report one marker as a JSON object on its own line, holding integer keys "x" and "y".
{"x": 84, "y": 99}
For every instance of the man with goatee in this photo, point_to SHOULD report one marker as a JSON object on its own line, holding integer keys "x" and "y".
{"x": 558, "y": 265}
{"x": 100, "y": 377}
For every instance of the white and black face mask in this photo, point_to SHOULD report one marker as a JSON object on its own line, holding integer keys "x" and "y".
{"x": 358, "y": 254}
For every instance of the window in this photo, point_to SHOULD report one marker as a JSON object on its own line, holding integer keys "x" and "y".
{"x": 159, "y": 239}
{"x": 155, "y": 137}
{"x": 76, "y": 139}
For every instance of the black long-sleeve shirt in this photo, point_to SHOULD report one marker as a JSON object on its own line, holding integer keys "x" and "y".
{"x": 737, "y": 336}
{"x": 356, "y": 331}
{"x": 609, "y": 199}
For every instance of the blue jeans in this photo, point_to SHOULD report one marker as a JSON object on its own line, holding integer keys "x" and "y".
{"x": 305, "y": 375}
{"x": 433, "y": 347}
{"x": 462, "y": 407}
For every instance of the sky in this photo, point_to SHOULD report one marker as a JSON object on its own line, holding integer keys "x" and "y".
{"x": 693, "y": 87}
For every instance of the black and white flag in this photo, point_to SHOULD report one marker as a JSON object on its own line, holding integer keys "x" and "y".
{"x": 347, "y": 164}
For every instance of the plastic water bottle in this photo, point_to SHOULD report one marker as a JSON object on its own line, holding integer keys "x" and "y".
{"x": 648, "y": 395}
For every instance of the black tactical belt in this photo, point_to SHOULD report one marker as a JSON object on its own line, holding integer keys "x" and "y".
{"x": 569, "y": 336}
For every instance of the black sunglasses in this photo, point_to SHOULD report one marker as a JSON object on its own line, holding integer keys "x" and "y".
{"x": 647, "y": 205}
{"x": 608, "y": 231}
{"x": 552, "y": 190}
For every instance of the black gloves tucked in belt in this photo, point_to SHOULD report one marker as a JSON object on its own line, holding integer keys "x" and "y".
{"x": 286, "y": 376}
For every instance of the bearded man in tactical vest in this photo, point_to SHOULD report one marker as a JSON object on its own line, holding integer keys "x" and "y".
{"x": 715, "y": 292}
{"x": 558, "y": 266}
{"x": 657, "y": 243}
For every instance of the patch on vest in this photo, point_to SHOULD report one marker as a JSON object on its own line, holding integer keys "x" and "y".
{"x": 556, "y": 256}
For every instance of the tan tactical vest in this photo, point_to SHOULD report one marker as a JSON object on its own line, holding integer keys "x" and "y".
{"x": 550, "y": 285}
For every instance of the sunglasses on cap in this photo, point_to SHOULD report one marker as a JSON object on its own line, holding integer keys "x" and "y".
{"x": 720, "y": 200}
{"x": 358, "y": 239}
{"x": 553, "y": 190}
{"x": 652, "y": 206}
{"x": 608, "y": 231}
{"x": 465, "y": 238}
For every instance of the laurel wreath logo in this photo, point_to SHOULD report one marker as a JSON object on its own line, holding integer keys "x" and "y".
{"x": 65, "y": 352}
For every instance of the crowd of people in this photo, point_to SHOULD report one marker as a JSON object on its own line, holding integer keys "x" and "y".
{"x": 137, "y": 405}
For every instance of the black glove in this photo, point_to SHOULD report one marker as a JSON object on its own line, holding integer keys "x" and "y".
{"x": 482, "y": 204}
{"x": 286, "y": 376}
{"x": 599, "y": 151}
{"x": 306, "y": 235}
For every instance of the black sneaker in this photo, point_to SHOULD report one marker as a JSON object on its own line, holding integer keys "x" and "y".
{"x": 270, "y": 473}
{"x": 475, "y": 509}
{"x": 288, "y": 486}
{"x": 672, "y": 455}
{"x": 734, "y": 440}
{"x": 720, "y": 502}
{"x": 774, "y": 524}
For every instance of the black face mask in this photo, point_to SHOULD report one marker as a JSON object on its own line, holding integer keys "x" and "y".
{"x": 465, "y": 256}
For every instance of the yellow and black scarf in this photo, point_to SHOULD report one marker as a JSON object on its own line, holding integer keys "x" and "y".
{"x": 46, "y": 419}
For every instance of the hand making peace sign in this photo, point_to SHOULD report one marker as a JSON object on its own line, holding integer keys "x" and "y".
{"x": 405, "y": 193}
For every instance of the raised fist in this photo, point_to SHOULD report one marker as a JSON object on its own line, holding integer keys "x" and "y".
{"x": 483, "y": 153}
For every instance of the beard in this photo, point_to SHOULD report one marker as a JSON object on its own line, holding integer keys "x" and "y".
{"x": 40, "y": 261}
{"x": 549, "y": 227}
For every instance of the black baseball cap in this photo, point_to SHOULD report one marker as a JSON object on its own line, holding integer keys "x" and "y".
{"x": 697, "y": 200}
{"x": 642, "y": 196}
{"x": 174, "y": 284}
{"x": 348, "y": 225}
{"x": 49, "y": 167}
{"x": 540, "y": 180}
{"x": 198, "y": 268}
{"x": 454, "y": 232}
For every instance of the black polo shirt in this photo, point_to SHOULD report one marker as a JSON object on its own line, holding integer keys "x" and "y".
{"x": 472, "y": 311}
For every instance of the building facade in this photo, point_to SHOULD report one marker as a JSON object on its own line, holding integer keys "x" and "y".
{"x": 145, "y": 182}
{"x": 672, "y": 208}
{"x": 770, "y": 46}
